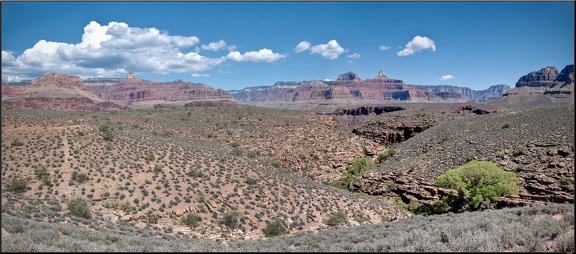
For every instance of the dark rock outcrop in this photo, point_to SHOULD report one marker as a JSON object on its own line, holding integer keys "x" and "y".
{"x": 542, "y": 78}
{"x": 471, "y": 109}
{"x": 366, "y": 110}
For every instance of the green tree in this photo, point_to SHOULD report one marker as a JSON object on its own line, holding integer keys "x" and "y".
{"x": 478, "y": 183}
{"x": 274, "y": 229}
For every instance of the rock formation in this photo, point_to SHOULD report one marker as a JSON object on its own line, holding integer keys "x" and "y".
{"x": 55, "y": 91}
{"x": 348, "y": 89}
{"x": 63, "y": 92}
{"x": 542, "y": 88}
{"x": 134, "y": 91}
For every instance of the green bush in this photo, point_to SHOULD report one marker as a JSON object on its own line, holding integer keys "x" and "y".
{"x": 195, "y": 173}
{"x": 231, "y": 219}
{"x": 250, "y": 180}
{"x": 337, "y": 218}
{"x": 384, "y": 155}
{"x": 274, "y": 229}
{"x": 107, "y": 132}
{"x": 191, "y": 220}
{"x": 79, "y": 208}
{"x": 479, "y": 183}
{"x": 357, "y": 169}
{"x": 519, "y": 151}
{"x": 18, "y": 185}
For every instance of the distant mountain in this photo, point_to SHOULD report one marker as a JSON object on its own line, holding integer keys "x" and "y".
{"x": 541, "y": 88}
{"x": 62, "y": 92}
{"x": 55, "y": 92}
{"x": 491, "y": 93}
{"x": 350, "y": 89}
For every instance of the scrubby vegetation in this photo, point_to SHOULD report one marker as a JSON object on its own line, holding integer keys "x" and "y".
{"x": 164, "y": 184}
{"x": 526, "y": 229}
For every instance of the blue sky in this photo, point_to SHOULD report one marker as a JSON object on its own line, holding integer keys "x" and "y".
{"x": 232, "y": 45}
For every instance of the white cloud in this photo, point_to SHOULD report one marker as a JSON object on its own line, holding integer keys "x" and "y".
{"x": 330, "y": 50}
{"x": 383, "y": 47}
{"x": 214, "y": 46}
{"x": 417, "y": 44}
{"x": 263, "y": 55}
{"x": 109, "y": 50}
{"x": 303, "y": 45}
{"x": 327, "y": 79}
{"x": 447, "y": 77}
{"x": 353, "y": 57}
{"x": 196, "y": 75}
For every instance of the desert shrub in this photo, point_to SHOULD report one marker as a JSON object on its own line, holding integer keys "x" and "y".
{"x": 18, "y": 184}
{"x": 566, "y": 181}
{"x": 157, "y": 168}
{"x": 126, "y": 207}
{"x": 79, "y": 177}
{"x": 274, "y": 229}
{"x": 250, "y": 180}
{"x": 79, "y": 208}
{"x": 195, "y": 173}
{"x": 386, "y": 154}
{"x": 357, "y": 169}
{"x": 337, "y": 218}
{"x": 519, "y": 151}
{"x": 107, "y": 132}
{"x": 506, "y": 126}
{"x": 17, "y": 142}
{"x": 191, "y": 220}
{"x": 231, "y": 219}
{"x": 478, "y": 183}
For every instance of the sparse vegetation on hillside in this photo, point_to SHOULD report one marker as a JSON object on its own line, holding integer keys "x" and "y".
{"x": 526, "y": 229}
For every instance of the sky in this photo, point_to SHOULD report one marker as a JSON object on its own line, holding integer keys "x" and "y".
{"x": 233, "y": 45}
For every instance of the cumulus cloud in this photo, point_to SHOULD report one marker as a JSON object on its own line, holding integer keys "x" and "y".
{"x": 417, "y": 44}
{"x": 330, "y": 50}
{"x": 113, "y": 49}
{"x": 447, "y": 77}
{"x": 303, "y": 45}
{"x": 263, "y": 55}
{"x": 383, "y": 47}
{"x": 214, "y": 46}
{"x": 196, "y": 75}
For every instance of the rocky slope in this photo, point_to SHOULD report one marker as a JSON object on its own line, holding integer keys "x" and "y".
{"x": 541, "y": 88}
{"x": 536, "y": 144}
